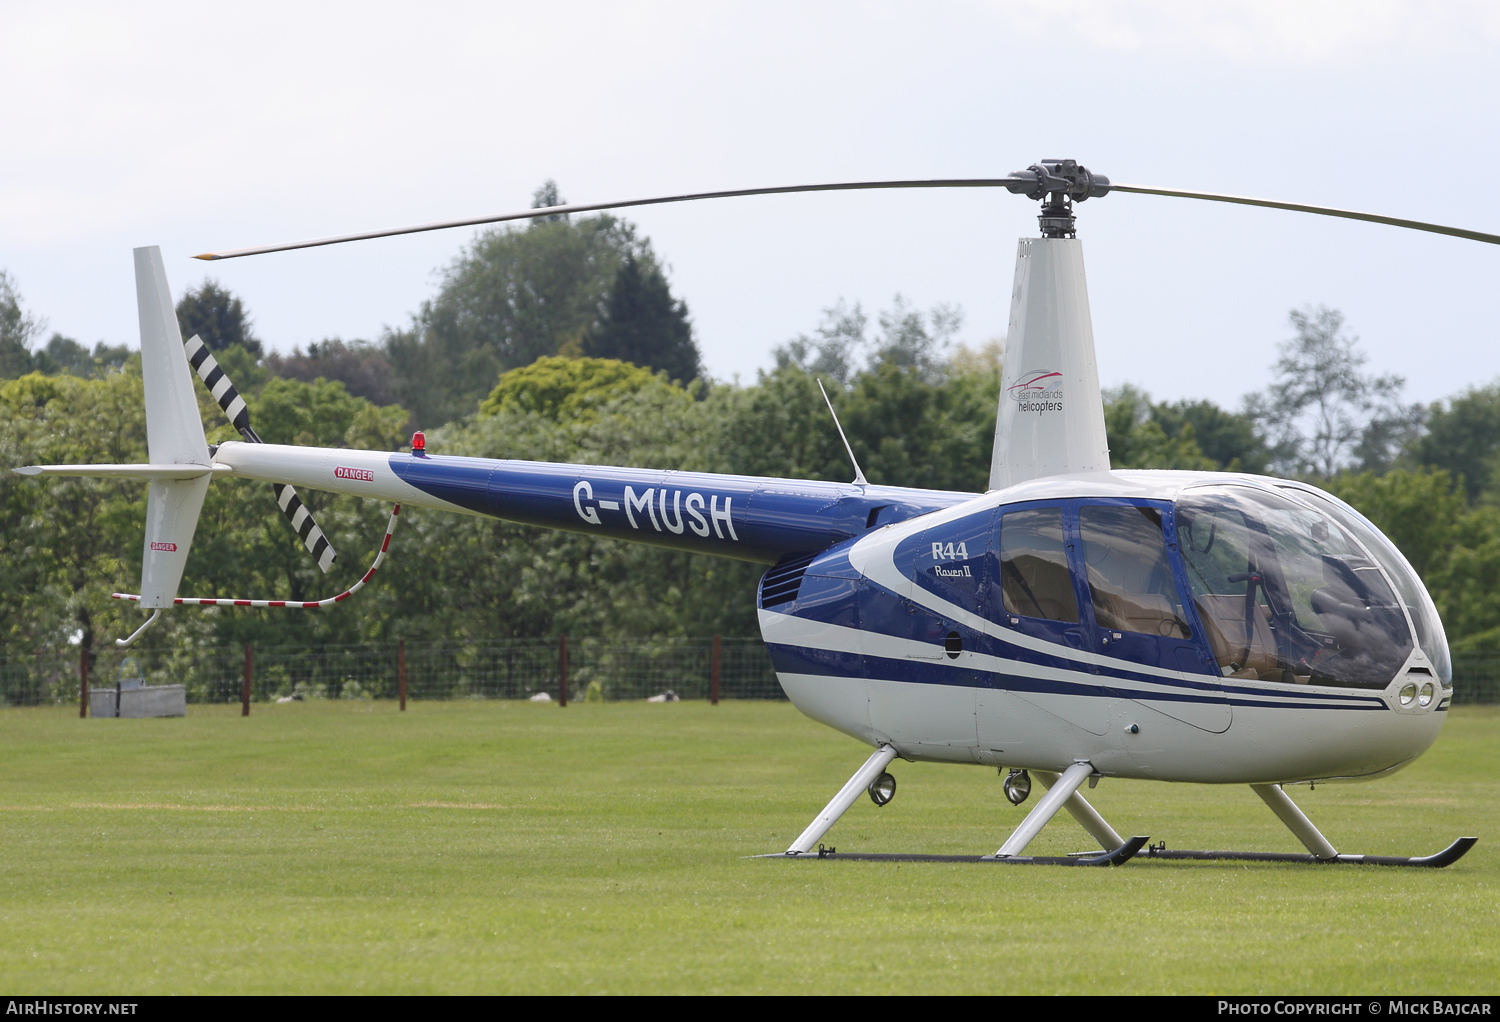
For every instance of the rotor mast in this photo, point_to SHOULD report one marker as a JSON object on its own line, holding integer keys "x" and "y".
{"x": 1057, "y": 184}
{"x": 1051, "y": 415}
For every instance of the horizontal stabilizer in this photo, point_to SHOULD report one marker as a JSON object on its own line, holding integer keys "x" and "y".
{"x": 125, "y": 471}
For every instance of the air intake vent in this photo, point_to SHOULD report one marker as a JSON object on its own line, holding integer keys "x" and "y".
{"x": 781, "y": 583}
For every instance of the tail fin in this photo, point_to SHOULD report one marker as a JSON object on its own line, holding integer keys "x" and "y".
{"x": 174, "y": 435}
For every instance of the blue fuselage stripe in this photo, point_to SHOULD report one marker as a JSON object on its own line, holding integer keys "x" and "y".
{"x": 744, "y": 517}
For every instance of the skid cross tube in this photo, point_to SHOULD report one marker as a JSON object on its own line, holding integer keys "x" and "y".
{"x": 1087, "y": 816}
{"x": 873, "y": 768}
{"x": 1047, "y": 808}
{"x": 1296, "y": 821}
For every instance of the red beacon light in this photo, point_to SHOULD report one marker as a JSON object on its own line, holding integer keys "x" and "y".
{"x": 418, "y": 444}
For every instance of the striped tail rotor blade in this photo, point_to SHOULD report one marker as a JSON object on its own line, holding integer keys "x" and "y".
{"x": 302, "y": 521}
{"x": 217, "y": 383}
{"x": 229, "y": 399}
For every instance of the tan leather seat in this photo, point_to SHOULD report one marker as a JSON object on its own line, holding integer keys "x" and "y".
{"x": 1151, "y": 613}
{"x": 1224, "y": 619}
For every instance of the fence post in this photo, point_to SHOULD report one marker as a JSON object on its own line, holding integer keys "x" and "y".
{"x": 245, "y": 692}
{"x": 713, "y": 674}
{"x": 401, "y": 670}
{"x": 562, "y": 670}
{"x": 83, "y": 680}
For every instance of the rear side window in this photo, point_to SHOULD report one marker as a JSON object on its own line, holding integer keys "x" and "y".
{"x": 1130, "y": 578}
{"x": 1034, "y": 576}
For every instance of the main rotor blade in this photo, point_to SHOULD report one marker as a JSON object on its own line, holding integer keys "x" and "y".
{"x": 589, "y": 207}
{"x": 1300, "y": 207}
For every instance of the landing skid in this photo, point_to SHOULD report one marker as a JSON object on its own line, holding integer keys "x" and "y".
{"x": 1116, "y": 857}
{"x": 1447, "y": 857}
{"x": 1063, "y": 793}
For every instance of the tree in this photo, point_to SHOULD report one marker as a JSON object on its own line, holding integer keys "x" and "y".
{"x": 567, "y": 389}
{"x": 909, "y": 338}
{"x": 831, "y": 354}
{"x": 1229, "y": 440}
{"x": 640, "y": 323}
{"x": 68, "y": 542}
{"x": 1322, "y": 412}
{"x": 1418, "y": 511}
{"x": 914, "y": 340}
{"x": 1137, "y": 439}
{"x": 216, "y": 316}
{"x": 1462, "y": 438}
{"x": 360, "y": 366}
{"x": 511, "y": 297}
{"x": 17, "y": 328}
{"x": 545, "y": 197}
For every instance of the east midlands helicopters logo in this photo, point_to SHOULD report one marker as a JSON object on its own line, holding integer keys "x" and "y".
{"x": 362, "y": 474}
{"x": 1040, "y": 390}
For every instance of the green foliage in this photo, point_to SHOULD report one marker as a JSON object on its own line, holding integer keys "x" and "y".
{"x": 1454, "y": 546}
{"x": 1467, "y": 589}
{"x": 1462, "y": 438}
{"x": 511, "y": 297}
{"x": 1137, "y": 439}
{"x": 360, "y": 366}
{"x": 908, "y": 339}
{"x": 1418, "y": 511}
{"x": 66, "y": 541}
{"x": 17, "y": 328}
{"x": 217, "y": 317}
{"x": 1227, "y": 439}
{"x": 1322, "y": 411}
{"x": 565, "y": 389}
{"x": 641, "y": 323}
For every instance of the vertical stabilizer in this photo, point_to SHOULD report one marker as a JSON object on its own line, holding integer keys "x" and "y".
{"x": 1051, "y": 417}
{"x": 174, "y": 429}
{"x": 174, "y": 435}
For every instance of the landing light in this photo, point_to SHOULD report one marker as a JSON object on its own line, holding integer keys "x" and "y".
{"x": 882, "y": 789}
{"x": 1425, "y": 696}
{"x": 1017, "y": 786}
{"x": 1408, "y": 693}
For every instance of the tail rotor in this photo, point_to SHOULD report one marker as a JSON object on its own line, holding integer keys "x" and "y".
{"x": 229, "y": 399}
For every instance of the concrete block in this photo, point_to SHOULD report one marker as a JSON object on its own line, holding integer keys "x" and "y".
{"x": 148, "y": 701}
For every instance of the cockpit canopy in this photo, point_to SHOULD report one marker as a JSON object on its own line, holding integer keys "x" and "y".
{"x": 1291, "y": 588}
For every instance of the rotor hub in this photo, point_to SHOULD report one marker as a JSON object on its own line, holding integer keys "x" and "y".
{"x": 1057, "y": 184}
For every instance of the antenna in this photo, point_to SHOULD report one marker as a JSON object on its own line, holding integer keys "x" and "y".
{"x": 859, "y": 475}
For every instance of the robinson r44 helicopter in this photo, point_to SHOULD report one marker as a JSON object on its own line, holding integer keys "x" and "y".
{"x": 1070, "y": 623}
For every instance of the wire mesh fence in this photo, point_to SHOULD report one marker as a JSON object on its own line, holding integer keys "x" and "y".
{"x": 603, "y": 669}
{"x": 596, "y": 669}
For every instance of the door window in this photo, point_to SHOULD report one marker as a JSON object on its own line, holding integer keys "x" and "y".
{"x": 1129, "y": 575}
{"x": 1034, "y": 576}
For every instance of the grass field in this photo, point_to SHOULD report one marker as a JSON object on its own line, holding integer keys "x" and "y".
{"x": 504, "y": 847}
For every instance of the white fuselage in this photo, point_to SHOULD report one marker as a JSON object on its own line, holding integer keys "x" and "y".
{"x": 1127, "y": 719}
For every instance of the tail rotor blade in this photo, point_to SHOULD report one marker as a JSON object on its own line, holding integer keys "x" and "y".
{"x": 302, "y": 521}
{"x": 218, "y": 385}
{"x": 229, "y": 399}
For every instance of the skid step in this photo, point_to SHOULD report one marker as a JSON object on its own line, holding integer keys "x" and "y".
{"x": 1447, "y": 857}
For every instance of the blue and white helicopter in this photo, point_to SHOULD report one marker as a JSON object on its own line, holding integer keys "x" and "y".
{"x": 1071, "y": 623}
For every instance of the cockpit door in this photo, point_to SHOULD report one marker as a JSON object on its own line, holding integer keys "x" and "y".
{"x": 1140, "y": 619}
{"x": 1035, "y": 595}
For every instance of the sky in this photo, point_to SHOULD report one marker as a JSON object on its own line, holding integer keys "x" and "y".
{"x": 199, "y": 127}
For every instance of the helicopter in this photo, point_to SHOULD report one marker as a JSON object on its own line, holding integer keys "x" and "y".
{"x": 1070, "y": 624}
